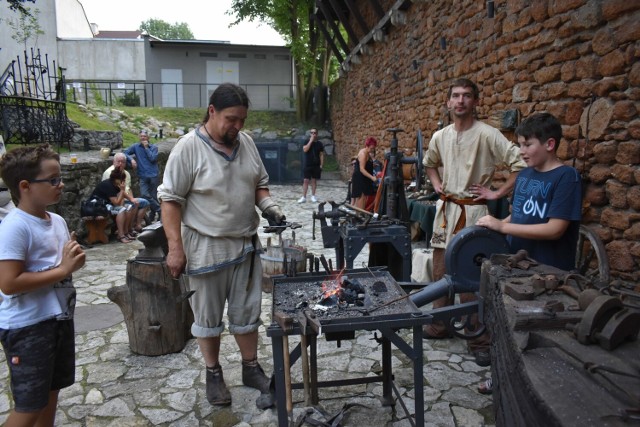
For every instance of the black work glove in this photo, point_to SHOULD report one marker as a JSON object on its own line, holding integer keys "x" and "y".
{"x": 273, "y": 214}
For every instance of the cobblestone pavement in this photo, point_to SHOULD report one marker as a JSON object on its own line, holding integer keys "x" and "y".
{"x": 115, "y": 387}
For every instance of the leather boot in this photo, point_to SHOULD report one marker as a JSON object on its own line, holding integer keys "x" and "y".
{"x": 217, "y": 391}
{"x": 253, "y": 376}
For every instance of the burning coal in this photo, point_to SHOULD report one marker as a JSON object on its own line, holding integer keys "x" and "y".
{"x": 342, "y": 292}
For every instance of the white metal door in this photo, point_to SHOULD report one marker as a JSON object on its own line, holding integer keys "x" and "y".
{"x": 221, "y": 72}
{"x": 171, "y": 88}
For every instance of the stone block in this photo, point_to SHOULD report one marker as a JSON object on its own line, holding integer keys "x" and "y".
{"x": 628, "y": 152}
{"x": 599, "y": 117}
{"x": 633, "y": 233}
{"x": 624, "y": 173}
{"x": 612, "y": 9}
{"x": 617, "y": 194}
{"x": 619, "y": 254}
{"x": 612, "y": 64}
{"x": 615, "y": 219}
{"x": 603, "y": 42}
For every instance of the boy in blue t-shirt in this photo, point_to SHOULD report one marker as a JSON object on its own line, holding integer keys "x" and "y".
{"x": 547, "y": 198}
{"x": 37, "y": 258}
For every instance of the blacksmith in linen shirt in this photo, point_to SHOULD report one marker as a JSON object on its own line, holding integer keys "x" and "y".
{"x": 214, "y": 191}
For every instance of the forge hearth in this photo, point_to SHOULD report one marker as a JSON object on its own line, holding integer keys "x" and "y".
{"x": 334, "y": 307}
{"x": 352, "y": 297}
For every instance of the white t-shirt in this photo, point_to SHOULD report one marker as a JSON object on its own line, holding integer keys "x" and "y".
{"x": 38, "y": 243}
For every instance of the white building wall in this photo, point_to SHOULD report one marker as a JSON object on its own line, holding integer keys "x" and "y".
{"x": 11, "y": 49}
{"x": 71, "y": 20}
{"x": 103, "y": 59}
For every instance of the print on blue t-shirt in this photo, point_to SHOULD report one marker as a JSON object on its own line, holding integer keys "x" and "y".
{"x": 540, "y": 196}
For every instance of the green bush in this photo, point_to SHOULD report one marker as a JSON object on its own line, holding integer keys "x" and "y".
{"x": 130, "y": 99}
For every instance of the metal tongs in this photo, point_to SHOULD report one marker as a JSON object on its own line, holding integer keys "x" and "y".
{"x": 278, "y": 229}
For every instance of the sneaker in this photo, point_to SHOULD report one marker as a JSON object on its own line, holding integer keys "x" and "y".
{"x": 254, "y": 377}
{"x": 313, "y": 198}
{"x": 302, "y": 199}
{"x": 217, "y": 391}
{"x": 486, "y": 387}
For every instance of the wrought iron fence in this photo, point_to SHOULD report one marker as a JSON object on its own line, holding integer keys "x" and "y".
{"x": 33, "y": 102}
{"x": 275, "y": 97}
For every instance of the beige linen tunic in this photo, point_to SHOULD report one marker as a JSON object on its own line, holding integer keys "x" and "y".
{"x": 218, "y": 198}
{"x": 468, "y": 157}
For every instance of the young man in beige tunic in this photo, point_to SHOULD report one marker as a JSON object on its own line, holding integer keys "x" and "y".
{"x": 213, "y": 181}
{"x": 460, "y": 162}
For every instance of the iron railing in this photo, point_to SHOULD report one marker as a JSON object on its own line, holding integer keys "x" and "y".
{"x": 264, "y": 97}
{"x": 33, "y": 102}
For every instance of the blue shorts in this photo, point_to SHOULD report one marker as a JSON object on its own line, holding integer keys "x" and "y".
{"x": 142, "y": 203}
{"x": 41, "y": 359}
{"x": 115, "y": 210}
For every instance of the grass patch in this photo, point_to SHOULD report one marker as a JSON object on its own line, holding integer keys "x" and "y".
{"x": 185, "y": 118}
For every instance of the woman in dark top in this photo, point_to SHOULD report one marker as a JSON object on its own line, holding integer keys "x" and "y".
{"x": 363, "y": 179}
{"x": 112, "y": 191}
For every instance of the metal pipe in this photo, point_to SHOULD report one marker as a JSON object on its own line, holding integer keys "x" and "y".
{"x": 434, "y": 290}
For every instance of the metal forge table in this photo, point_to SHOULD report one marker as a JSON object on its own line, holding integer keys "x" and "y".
{"x": 387, "y": 310}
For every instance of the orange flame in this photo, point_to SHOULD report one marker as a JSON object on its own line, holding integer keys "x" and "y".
{"x": 332, "y": 287}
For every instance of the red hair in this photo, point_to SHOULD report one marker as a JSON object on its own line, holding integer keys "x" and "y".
{"x": 370, "y": 142}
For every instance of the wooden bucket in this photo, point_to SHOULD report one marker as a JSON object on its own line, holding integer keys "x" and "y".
{"x": 273, "y": 261}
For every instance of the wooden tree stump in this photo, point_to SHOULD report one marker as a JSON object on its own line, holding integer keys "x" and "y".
{"x": 155, "y": 307}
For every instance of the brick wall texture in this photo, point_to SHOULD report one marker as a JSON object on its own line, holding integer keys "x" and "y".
{"x": 577, "y": 59}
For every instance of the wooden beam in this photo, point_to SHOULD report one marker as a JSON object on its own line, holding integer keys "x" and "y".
{"x": 336, "y": 51}
{"x": 345, "y": 21}
{"x": 332, "y": 24}
{"x": 356, "y": 13}
{"x": 377, "y": 8}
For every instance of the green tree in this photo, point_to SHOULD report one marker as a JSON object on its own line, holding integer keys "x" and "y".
{"x": 311, "y": 57}
{"x": 166, "y": 31}
{"x": 26, "y": 26}
{"x": 18, "y": 5}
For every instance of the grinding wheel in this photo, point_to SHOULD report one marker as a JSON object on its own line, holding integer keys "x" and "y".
{"x": 466, "y": 252}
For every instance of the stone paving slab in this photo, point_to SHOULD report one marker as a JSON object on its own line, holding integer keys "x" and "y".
{"x": 116, "y": 387}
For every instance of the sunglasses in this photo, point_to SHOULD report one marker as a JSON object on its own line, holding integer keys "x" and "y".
{"x": 53, "y": 181}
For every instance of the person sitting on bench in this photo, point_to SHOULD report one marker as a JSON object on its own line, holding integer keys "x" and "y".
{"x": 112, "y": 190}
{"x": 140, "y": 205}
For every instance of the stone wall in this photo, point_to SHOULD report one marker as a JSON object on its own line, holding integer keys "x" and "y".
{"x": 82, "y": 177}
{"x": 577, "y": 59}
{"x": 95, "y": 140}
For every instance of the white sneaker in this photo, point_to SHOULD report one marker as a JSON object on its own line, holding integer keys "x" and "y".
{"x": 302, "y": 199}
{"x": 313, "y": 198}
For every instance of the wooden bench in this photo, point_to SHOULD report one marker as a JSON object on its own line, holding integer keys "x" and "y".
{"x": 96, "y": 229}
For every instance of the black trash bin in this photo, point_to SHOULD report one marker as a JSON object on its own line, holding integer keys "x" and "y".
{"x": 282, "y": 164}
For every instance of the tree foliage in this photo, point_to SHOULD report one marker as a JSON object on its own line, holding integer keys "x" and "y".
{"x": 166, "y": 31}
{"x": 311, "y": 55}
{"x": 17, "y": 5}
{"x": 26, "y": 26}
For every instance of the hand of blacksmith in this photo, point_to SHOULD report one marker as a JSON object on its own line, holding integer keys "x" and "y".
{"x": 274, "y": 215}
